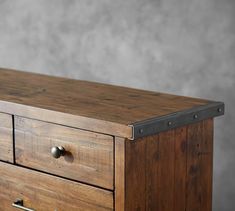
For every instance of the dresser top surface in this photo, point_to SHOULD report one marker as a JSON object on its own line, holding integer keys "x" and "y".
{"x": 110, "y": 103}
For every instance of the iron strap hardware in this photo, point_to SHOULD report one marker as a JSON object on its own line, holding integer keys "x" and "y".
{"x": 178, "y": 119}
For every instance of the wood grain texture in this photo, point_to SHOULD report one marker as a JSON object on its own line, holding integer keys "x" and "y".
{"x": 165, "y": 179}
{"x": 86, "y": 101}
{"x": 171, "y": 170}
{"x": 152, "y": 169}
{"x": 166, "y": 170}
{"x": 135, "y": 175}
{"x": 206, "y": 164}
{"x": 193, "y": 200}
{"x": 66, "y": 119}
{"x": 6, "y": 138}
{"x": 199, "y": 166}
{"x": 43, "y": 192}
{"x": 119, "y": 189}
{"x": 180, "y": 167}
{"x": 88, "y": 158}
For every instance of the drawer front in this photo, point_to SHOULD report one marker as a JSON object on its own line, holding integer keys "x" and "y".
{"x": 88, "y": 156}
{"x": 43, "y": 192}
{"x": 6, "y": 138}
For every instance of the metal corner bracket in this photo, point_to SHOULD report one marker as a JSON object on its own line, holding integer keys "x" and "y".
{"x": 159, "y": 124}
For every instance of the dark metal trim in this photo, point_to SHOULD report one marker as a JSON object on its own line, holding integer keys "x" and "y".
{"x": 181, "y": 118}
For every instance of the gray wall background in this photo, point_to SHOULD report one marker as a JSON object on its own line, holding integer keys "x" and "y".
{"x": 185, "y": 47}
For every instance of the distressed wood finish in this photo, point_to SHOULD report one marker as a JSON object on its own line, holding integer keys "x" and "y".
{"x": 6, "y": 138}
{"x": 180, "y": 167}
{"x": 126, "y": 149}
{"x": 206, "y": 165}
{"x": 165, "y": 179}
{"x": 88, "y": 158}
{"x": 119, "y": 189}
{"x": 135, "y": 175}
{"x": 66, "y": 119}
{"x": 199, "y": 166}
{"x": 152, "y": 158}
{"x": 168, "y": 171}
{"x": 92, "y": 106}
{"x": 44, "y": 192}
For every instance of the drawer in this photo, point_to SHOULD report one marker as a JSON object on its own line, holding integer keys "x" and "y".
{"x": 43, "y": 192}
{"x": 6, "y": 138}
{"x": 88, "y": 156}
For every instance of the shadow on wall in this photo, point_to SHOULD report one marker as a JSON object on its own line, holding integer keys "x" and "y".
{"x": 184, "y": 47}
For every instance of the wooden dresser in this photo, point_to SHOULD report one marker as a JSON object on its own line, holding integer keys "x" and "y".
{"x": 70, "y": 145}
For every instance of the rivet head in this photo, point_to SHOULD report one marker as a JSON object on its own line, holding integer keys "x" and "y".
{"x": 195, "y": 116}
{"x": 219, "y": 110}
{"x": 169, "y": 123}
{"x": 141, "y": 130}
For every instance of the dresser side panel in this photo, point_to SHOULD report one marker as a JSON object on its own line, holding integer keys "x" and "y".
{"x": 171, "y": 170}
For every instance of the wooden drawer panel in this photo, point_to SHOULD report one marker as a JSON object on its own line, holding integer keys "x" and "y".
{"x": 6, "y": 138}
{"x": 43, "y": 192}
{"x": 88, "y": 158}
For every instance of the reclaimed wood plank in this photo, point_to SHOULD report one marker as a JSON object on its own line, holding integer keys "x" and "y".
{"x": 44, "y": 192}
{"x": 89, "y": 105}
{"x": 119, "y": 189}
{"x": 135, "y": 175}
{"x": 180, "y": 169}
{"x": 6, "y": 138}
{"x": 88, "y": 157}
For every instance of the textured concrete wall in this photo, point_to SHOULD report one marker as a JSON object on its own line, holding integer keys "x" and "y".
{"x": 185, "y": 47}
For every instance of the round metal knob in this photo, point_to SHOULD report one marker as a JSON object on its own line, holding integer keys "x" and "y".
{"x": 57, "y": 152}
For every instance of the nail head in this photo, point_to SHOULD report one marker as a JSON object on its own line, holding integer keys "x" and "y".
{"x": 141, "y": 130}
{"x": 169, "y": 123}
